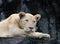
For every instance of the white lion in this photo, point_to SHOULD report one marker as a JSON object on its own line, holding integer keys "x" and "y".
{"x": 21, "y": 24}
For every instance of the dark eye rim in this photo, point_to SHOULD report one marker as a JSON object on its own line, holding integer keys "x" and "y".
{"x": 34, "y": 21}
{"x": 27, "y": 20}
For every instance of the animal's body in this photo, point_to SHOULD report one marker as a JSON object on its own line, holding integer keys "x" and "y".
{"x": 21, "y": 24}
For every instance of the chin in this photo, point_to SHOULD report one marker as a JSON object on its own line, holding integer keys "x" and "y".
{"x": 29, "y": 31}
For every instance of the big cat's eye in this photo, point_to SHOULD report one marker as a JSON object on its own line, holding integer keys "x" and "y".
{"x": 34, "y": 21}
{"x": 27, "y": 20}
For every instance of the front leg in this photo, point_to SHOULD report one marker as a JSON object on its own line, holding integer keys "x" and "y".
{"x": 39, "y": 35}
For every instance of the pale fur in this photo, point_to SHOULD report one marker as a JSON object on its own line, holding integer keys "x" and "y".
{"x": 14, "y": 26}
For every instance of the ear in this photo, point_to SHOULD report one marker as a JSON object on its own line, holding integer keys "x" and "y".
{"x": 37, "y": 16}
{"x": 21, "y": 14}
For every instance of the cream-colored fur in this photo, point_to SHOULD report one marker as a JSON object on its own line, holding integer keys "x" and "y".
{"x": 21, "y": 24}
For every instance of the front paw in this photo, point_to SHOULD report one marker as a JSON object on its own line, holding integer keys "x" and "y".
{"x": 46, "y": 36}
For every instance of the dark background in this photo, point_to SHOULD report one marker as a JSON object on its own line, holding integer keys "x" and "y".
{"x": 49, "y": 22}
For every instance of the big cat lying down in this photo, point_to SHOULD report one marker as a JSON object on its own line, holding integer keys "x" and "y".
{"x": 21, "y": 24}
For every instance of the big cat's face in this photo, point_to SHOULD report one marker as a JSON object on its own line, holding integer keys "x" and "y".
{"x": 28, "y": 22}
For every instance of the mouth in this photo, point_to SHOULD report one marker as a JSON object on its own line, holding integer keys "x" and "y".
{"x": 29, "y": 30}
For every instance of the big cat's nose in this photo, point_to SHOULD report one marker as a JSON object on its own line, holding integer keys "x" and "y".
{"x": 30, "y": 27}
